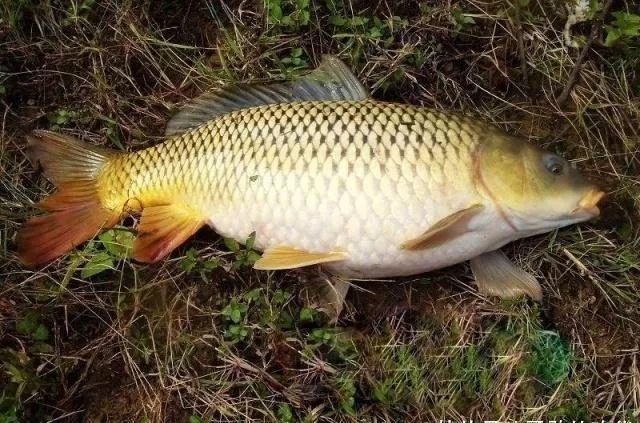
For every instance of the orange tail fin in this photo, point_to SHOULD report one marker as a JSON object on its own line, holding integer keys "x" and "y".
{"x": 75, "y": 211}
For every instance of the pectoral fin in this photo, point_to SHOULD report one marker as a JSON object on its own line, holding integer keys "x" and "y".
{"x": 283, "y": 257}
{"x": 496, "y": 275}
{"x": 444, "y": 230}
{"x": 162, "y": 229}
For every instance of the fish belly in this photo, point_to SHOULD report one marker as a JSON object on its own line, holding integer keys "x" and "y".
{"x": 369, "y": 226}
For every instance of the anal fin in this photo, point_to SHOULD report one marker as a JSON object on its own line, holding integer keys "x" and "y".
{"x": 162, "y": 229}
{"x": 496, "y": 275}
{"x": 283, "y": 257}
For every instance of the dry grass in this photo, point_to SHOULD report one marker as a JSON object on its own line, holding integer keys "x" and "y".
{"x": 165, "y": 343}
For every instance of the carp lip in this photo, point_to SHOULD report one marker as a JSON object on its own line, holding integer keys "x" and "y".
{"x": 589, "y": 203}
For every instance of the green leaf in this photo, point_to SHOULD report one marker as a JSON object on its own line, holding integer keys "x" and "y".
{"x": 100, "y": 262}
{"x": 28, "y": 324}
{"x": 375, "y": 32}
{"x": 551, "y": 359}
{"x": 304, "y": 17}
{"x": 625, "y": 27}
{"x": 280, "y": 296}
{"x": 238, "y": 332}
{"x": 232, "y": 244}
{"x": 194, "y": 419}
{"x": 41, "y": 347}
{"x": 275, "y": 10}
{"x": 337, "y": 20}
{"x": 41, "y": 333}
{"x": 252, "y": 257}
{"x": 235, "y": 311}
{"x": 287, "y": 21}
{"x": 253, "y": 295}
{"x": 189, "y": 262}
{"x": 307, "y": 314}
{"x": 251, "y": 240}
{"x": 358, "y": 20}
{"x": 211, "y": 264}
{"x": 613, "y": 35}
{"x": 117, "y": 242}
{"x": 285, "y": 414}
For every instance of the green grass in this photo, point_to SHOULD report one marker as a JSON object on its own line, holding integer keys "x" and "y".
{"x": 201, "y": 337}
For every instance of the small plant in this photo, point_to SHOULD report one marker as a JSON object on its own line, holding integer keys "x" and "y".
{"x": 192, "y": 263}
{"x": 30, "y": 325}
{"x": 285, "y": 414}
{"x": 293, "y": 63}
{"x": 236, "y": 312}
{"x": 624, "y": 29}
{"x": 347, "y": 390}
{"x": 78, "y": 10}
{"x": 61, "y": 118}
{"x": 308, "y": 315}
{"x": 112, "y": 246}
{"x": 23, "y": 380}
{"x": 339, "y": 343}
{"x": 551, "y": 359}
{"x": 357, "y": 32}
{"x": 461, "y": 20}
{"x": 244, "y": 257}
{"x": 288, "y": 14}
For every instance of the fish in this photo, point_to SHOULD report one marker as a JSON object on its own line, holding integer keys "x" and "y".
{"x": 323, "y": 175}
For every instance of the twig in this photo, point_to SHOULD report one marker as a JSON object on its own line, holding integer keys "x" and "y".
{"x": 575, "y": 73}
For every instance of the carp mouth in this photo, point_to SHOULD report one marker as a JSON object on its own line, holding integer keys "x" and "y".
{"x": 588, "y": 204}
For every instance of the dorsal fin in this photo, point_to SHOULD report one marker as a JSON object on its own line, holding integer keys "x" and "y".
{"x": 332, "y": 80}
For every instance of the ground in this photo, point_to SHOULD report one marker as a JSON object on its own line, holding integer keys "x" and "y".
{"x": 202, "y": 337}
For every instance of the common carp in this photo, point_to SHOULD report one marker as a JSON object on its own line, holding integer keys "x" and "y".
{"x": 324, "y": 175}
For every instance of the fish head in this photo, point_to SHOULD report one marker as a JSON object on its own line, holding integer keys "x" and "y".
{"x": 535, "y": 190}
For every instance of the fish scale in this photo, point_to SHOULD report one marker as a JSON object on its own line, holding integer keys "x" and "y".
{"x": 360, "y": 177}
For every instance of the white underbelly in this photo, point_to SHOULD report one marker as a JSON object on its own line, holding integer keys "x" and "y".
{"x": 370, "y": 234}
{"x": 398, "y": 262}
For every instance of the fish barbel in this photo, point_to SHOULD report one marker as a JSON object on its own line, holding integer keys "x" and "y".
{"x": 323, "y": 174}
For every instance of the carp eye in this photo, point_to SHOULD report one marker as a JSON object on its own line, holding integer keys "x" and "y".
{"x": 554, "y": 164}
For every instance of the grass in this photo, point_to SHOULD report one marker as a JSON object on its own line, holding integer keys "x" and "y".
{"x": 201, "y": 337}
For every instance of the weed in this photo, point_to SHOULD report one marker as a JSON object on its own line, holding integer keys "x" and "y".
{"x": 192, "y": 263}
{"x": 461, "y": 21}
{"x": 551, "y": 359}
{"x": 244, "y": 257}
{"x": 290, "y": 65}
{"x": 112, "y": 246}
{"x": 288, "y": 14}
{"x": 62, "y": 117}
{"x": 285, "y": 414}
{"x": 31, "y": 326}
{"x": 623, "y": 29}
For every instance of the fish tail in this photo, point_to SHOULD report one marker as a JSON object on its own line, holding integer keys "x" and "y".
{"x": 74, "y": 213}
